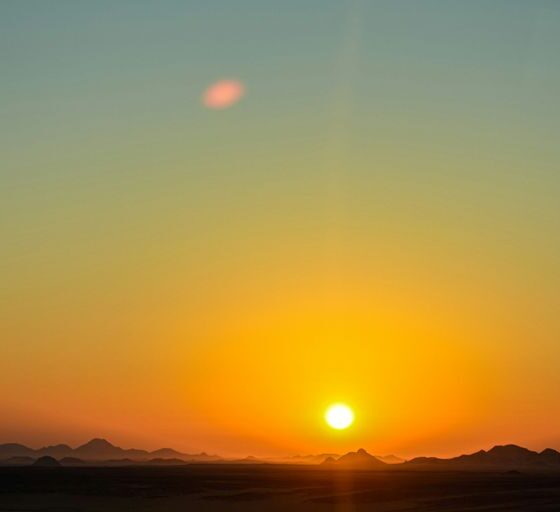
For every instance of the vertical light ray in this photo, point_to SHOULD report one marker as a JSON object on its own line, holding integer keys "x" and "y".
{"x": 337, "y": 156}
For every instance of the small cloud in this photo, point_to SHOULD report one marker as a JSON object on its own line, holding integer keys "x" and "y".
{"x": 223, "y": 94}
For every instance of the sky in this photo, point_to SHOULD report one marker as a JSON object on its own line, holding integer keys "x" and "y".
{"x": 375, "y": 222}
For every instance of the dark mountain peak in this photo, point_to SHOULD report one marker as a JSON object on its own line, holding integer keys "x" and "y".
{"x": 166, "y": 453}
{"x": 14, "y": 446}
{"x": 57, "y": 451}
{"x": 46, "y": 462}
{"x": 390, "y": 459}
{"x": 360, "y": 459}
{"x": 509, "y": 455}
{"x": 97, "y": 449}
{"x": 360, "y": 453}
{"x": 508, "y": 449}
{"x": 550, "y": 456}
{"x": 97, "y": 443}
{"x": 15, "y": 450}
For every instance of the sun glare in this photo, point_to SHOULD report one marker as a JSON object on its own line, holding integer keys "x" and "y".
{"x": 339, "y": 416}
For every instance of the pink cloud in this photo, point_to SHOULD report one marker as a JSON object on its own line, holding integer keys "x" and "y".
{"x": 223, "y": 94}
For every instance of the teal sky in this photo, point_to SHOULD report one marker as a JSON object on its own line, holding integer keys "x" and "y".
{"x": 406, "y": 146}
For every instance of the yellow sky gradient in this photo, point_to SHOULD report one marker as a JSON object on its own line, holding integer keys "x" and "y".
{"x": 375, "y": 222}
{"x": 252, "y": 368}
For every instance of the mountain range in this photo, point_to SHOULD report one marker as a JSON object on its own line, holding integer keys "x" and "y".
{"x": 101, "y": 451}
{"x": 507, "y": 456}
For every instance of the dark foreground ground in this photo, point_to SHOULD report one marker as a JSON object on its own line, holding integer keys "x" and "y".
{"x": 272, "y": 488}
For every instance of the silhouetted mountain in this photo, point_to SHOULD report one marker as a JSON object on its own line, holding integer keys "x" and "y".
{"x": 101, "y": 449}
{"x": 505, "y": 456}
{"x": 101, "y": 452}
{"x": 15, "y": 450}
{"x": 389, "y": 459}
{"x": 98, "y": 450}
{"x": 47, "y": 462}
{"x": 166, "y": 453}
{"x": 510, "y": 455}
{"x": 355, "y": 460}
{"x": 550, "y": 456}
{"x": 57, "y": 451}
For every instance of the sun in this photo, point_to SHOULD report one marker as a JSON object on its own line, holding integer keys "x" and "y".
{"x": 339, "y": 416}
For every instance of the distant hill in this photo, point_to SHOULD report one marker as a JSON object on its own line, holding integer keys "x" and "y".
{"x": 57, "y": 451}
{"x": 390, "y": 459}
{"x": 550, "y": 456}
{"x": 101, "y": 449}
{"x": 508, "y": 456}
{"x": 46, "y": 462}
{"x": 166, "y": 453}
{"x": 15, "y": 450}
{"x": 355, "y": 460}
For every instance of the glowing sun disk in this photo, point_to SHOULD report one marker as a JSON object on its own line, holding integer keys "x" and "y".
{"x": 339, "y": 416}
